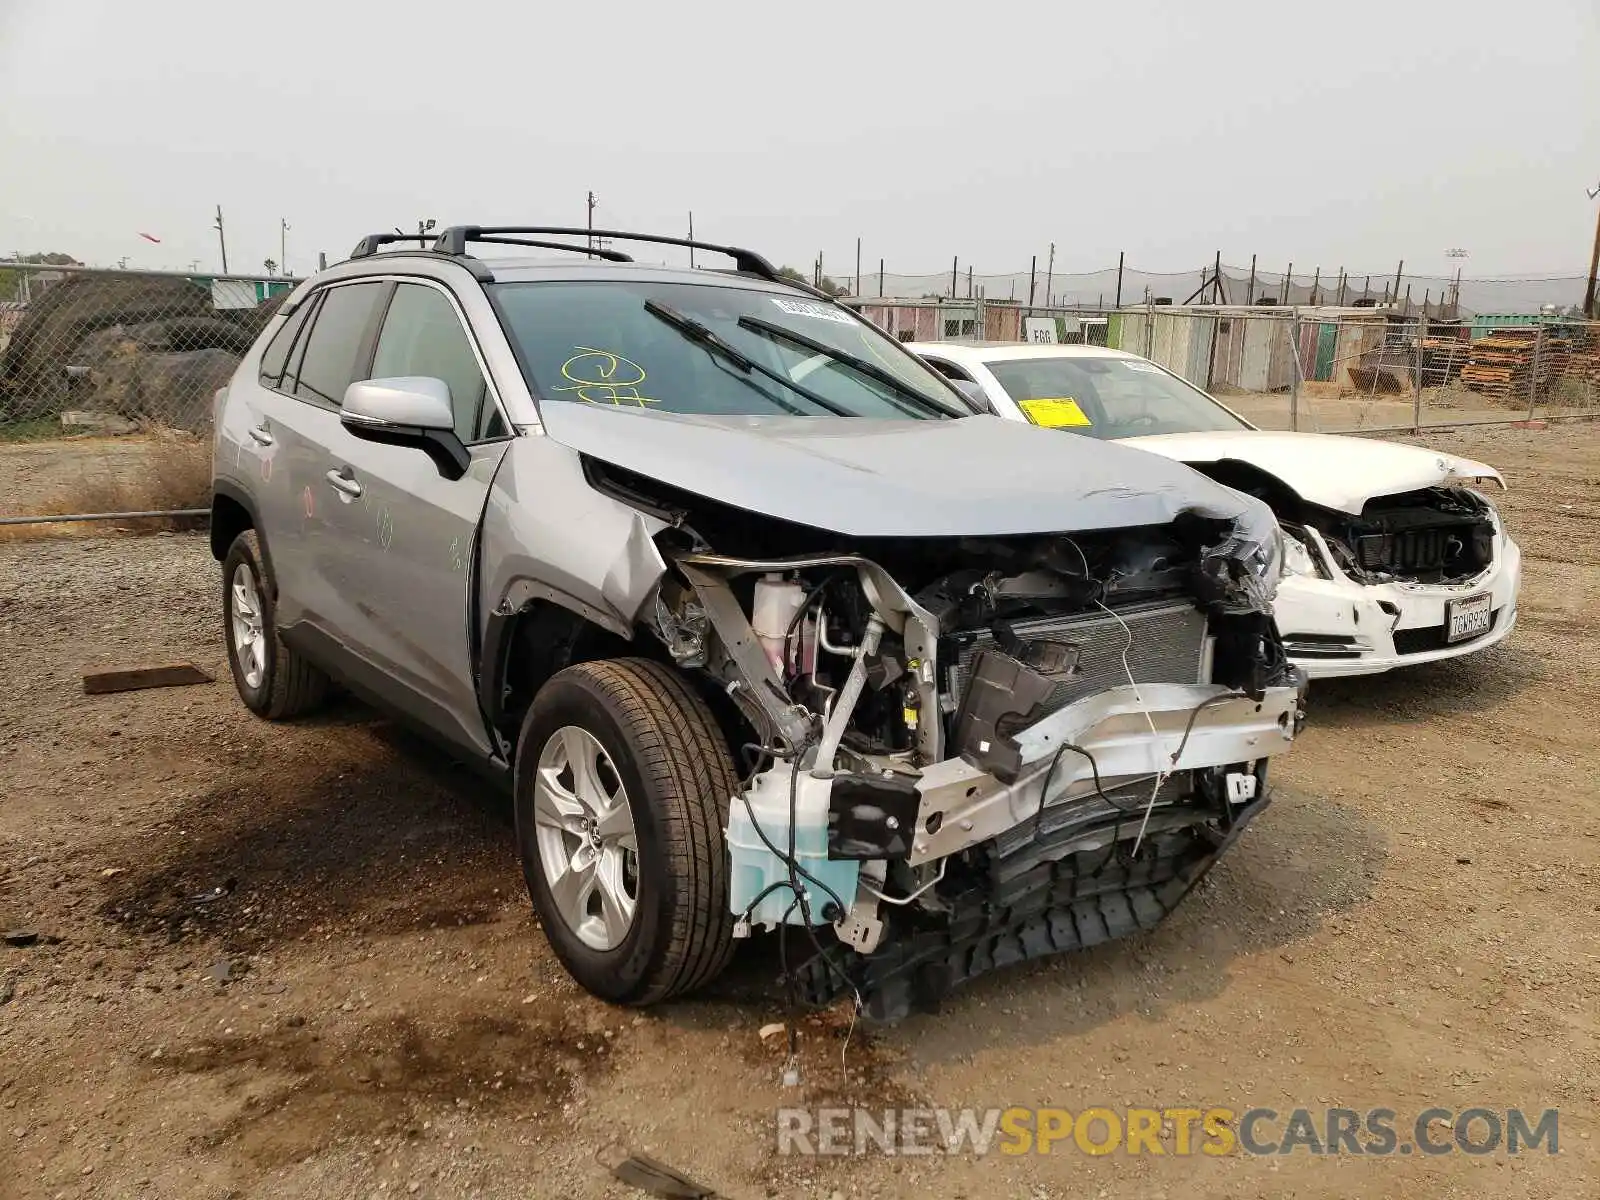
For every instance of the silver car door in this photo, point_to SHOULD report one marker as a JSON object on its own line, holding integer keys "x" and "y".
{"x": 303, "y": 423}
{"x": 405, "y": 543}
{"x": 249, "y": 440}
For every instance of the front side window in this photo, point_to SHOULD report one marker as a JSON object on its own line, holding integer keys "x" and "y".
{"x": 1108, "y": 397}
{"x": 275, "y": 358}
{"x": 713, "y": 350}
{"x": 423, "y": 336}
{"x": 337, "y": 342}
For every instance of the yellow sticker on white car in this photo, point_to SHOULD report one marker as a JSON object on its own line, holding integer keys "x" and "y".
{"x": 1055, "y": 412}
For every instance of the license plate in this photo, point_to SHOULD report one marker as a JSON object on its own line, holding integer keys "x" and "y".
{"x": 1467, "y": 618}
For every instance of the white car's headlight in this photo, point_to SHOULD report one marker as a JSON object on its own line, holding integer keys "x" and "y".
{"x": 1297, "y": 558}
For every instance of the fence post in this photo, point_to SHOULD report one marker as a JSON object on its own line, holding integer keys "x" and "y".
{"x": 1294, "y": 376}
{"x": 1416, "y": 399}
{"x": 1533, "y": 379}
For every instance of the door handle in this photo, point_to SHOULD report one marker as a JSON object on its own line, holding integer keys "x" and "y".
{"x": 260, "y": 435}
{"x": 344, "y": 484}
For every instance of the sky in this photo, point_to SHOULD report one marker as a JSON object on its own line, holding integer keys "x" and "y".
{"x": 1353, "y": 134}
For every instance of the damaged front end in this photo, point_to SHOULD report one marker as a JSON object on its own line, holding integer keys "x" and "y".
{"x": 966, "y": 752}
{"x": 1437, "y": 535}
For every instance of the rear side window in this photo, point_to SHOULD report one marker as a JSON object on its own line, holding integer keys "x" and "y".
{"x": 423, "y": 336}
{"x": 338, "y": 343}
{"x": 275, "y": 358}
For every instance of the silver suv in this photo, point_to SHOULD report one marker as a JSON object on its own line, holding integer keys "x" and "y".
{"x": 761, "y": 625}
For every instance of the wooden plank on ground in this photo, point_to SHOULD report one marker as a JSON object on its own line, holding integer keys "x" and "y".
{"x": 99, "y": 683}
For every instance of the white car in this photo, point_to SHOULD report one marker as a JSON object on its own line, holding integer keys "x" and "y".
{"x": 1390, "y": 558}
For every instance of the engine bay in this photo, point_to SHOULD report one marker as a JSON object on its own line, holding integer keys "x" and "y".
{"x": 1437, "y": 535}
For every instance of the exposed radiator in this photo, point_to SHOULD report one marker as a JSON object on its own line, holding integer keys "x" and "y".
{"x": 1169, "y": 646}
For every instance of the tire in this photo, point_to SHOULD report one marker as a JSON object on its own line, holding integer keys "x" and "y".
{"x": 282, "y": 684}
{"x": 677, "y": 779}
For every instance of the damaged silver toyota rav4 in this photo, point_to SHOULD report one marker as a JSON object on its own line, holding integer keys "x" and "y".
{"x": 763, "y": 629}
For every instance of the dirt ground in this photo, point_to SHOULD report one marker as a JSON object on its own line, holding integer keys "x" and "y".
{"x": 298, "y": 961}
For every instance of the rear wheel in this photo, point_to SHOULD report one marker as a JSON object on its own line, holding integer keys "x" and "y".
{"x": 622, "y": 790}
{"x": 272, "y": 680}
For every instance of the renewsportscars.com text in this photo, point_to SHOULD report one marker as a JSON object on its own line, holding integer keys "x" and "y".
{"x": 1177, "y": 1131}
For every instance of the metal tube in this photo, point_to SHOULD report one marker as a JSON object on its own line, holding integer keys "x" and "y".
{"x": 845, "y": 705}
{"x": 1533, "y": 379}
{"x": 1416, "y": 398}
{"x": 1294, "y": 377}
{"x": 117, "y": 516}
{"x": 43, "y": 268}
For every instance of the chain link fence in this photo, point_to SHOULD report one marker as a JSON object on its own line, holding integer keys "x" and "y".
{"x": 106, "y": 384}
{"x": 1318, "y": 369}
{"x": 1114, "y": 287}
{"x": 107, "y": 377}
{"x": 116, "y": 351}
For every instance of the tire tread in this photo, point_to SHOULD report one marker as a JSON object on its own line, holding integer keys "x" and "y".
{"x": 677, "y": 743}
{"x": 295, "y": 685}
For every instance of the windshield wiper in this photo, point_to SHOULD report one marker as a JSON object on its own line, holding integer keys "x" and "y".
{"x": 712, "y": 341}
{"x": 870, "y": 369}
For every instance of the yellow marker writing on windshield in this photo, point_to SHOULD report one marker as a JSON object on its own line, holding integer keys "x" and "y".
{"x": 602, "y": 377}
{"x": 1055, "y": 412}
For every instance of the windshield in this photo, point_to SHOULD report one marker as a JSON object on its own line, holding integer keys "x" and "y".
{"x": 714, "y": 350}
{"x": 1109, "y": 397}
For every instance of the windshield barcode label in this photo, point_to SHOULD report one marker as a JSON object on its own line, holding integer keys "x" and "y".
{"x": 809, "y": 308}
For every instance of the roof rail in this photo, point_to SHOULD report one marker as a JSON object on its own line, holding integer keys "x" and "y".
{"x": 604, "y": 252}
{"x": 374, "y": 242}
{"x": 454, "y": 241}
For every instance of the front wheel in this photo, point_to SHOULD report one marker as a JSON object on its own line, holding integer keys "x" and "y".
{"x": 623, "y": 783}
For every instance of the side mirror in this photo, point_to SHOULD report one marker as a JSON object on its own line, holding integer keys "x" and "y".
{"x": 408, "y": 410}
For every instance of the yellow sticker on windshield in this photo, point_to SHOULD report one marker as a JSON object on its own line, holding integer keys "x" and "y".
{"x": 1056, "y": 412}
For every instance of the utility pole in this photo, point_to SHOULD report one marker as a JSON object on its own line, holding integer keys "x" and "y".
{"x": 1589, "y": 309}
{"x": 1049, "y": 275}
{"x": 856, "y": 291}
{"x": 1120, "y": 254}
{"x": 953, "y": 262}
{"x": 691, "y": 238}
{"x": 1398, "y": 271}
{"x": 283, "y": 244}
{"x": 880, "y": 278}
{"x": 222, "y": 239}
{"x": 590, "y": 239}
{"x": 1033, "y": 272}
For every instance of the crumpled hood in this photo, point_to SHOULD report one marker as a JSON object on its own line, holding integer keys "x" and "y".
{"x": 868, "y": 478}
{"x": 1335, "y": 472}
